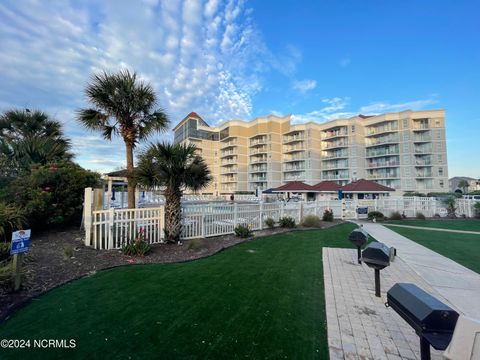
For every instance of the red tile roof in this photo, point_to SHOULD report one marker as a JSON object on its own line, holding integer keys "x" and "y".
{"x": 194, "y": 115}
{"x": 294, "y": 186}
{"x": 363, "y": 185}
{"x": 327, "y": 186}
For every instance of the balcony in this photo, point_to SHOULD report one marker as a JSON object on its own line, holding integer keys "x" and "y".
{"x": 259, "y": 150}
{"x": 258, "y": 159}
{"x": 299, "y": 176}
{"x": 385, "y": 164}
{"x": 391, "y": 150}
{"x": 334, "y": 165}
{"x": 229, "y": 161}
{"x": 333, "y": 134}
{"x": 229, "y": 170}
{"x": 382, "y": 140}
{"x": 290, "y": 149}
{"x": 293, "y": 138}
{"x": 258, "y": 178}
{"x": 421, "y": 127}
{"x": 300, "y": 157}
{"x": 334, "y": 175}
{"x": 335, "y": 144}
{"x": 383, "y": 175}
{"x": 227, "y": 144}
{"x": 423, "y": 150}
{"x": 229, "y": 179}
{"x": 334, "y": 155}
{"x": 288, "y": 167}
{"x": 383, "y": 129}
{"x": 228, "y": 187}
{"x": 227, "y": 153}
{"x": 261, "y": 140}
{"x": 257, "y": 169}
{"x": 424, "y": 174}
{"x": 424, "y": 137}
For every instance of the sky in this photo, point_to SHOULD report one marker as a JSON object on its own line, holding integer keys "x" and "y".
{"x": 317, "y": 60}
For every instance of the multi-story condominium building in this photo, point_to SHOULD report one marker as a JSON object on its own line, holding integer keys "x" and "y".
{"x": 404, "y": 150}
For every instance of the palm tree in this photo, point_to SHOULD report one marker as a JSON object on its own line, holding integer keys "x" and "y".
{"x": 31, "y": 137}
{"x": 463, "y": 184}
{"x": 177, "y": 167}
{"x": 123, "y": 105}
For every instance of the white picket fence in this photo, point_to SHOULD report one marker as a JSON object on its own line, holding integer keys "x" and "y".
{"x": 113, "y": 228}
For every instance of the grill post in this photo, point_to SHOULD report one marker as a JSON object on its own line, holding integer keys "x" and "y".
{"x": 359, "y": 254}
{"x": 424, "y": 349}
{"x": 377, "y": 283}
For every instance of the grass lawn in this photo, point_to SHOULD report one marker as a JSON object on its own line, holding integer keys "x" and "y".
{"x": 462, "y": 248}
{"x": 261, "y": 299}
{"x": 459, "y": 224}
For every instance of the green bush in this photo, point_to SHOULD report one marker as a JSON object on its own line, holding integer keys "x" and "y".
{"x": 11, "y": 219}
{"x": 377, "y": 215}
{"x": 4, "y": 251}
{"x": 420, "y": 216}
{"x": 476, "y": 209}
{"x": 243, "y": 231}
{"x": 52, "y": 194}
{"x": 6, "y": 275}
{"x": 395, "y": 216}
{"x": 327, "y": 215}
{"x": 270, "y": 223}
{"x": 451, "y": 206}
{"x": 286, "y": 222}
{"x": 311, "y": 221}
{"x": 138, "y": 246}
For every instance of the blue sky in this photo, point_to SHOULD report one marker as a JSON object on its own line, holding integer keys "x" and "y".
{"x": 317, "y": 60}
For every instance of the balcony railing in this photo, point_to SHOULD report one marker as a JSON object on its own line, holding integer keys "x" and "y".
{"x": 258, "y": 150}
{"x": 229, "y": 153}
{"x": 382, "y": 140}
{"x": 383, "y": 175}
{"x": 228, "y": 161}
{"x": 383, "y": 164}
{"x": 287, "y": 149}
{"x": 422, "y": 138}
{"x": 392, "y": 150}
{"x": 294, "y": 168}
{"x": 258, "y": 141}
{"x": 335, "y": 165}
{"x": 226, "y": 179}
{"x": 334, "y": 134}
{"x": 229, "y": 170}
{"x": 254, "y": 169}
{"x": 294, "y": 176}
{"x": 331, "y": 176}
{"x": 335, "y": 144}
{"x": 258, "y": 159}
{"x": 258, "y": 178}
{"x": 421, "y": 126}
{"x": 376, "y": 130}
{"x": 294, "y": 158}
{"x": 229, "y": 143}
{"x": 293, "y": 138}
{"x": 335, "y": 155}
{"x": 424, "y": 174}
{"x": 423, "y": 150}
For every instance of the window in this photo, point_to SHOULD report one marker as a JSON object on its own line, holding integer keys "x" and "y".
{"x": 405, "y": 123}
{"x": 441, "y": 183}
{"x": 440, "y": 158}
{"x": 437, "y": 123}
{"x": 353, "y": 129}
{"x": 406, "y": 147}
{"x": 440, "y": 171}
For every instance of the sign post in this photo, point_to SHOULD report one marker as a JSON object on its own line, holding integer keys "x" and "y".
{"x": 20, "y": 244}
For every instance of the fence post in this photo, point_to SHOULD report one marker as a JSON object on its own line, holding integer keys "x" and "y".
{"x": 87, "y": 215}
{"x": 300, "y": 213}
{"x": 415, "y": 206}
{"x": 202, "y": 225}
{"x": 282, "y": 206}
{"x": 375, "y": 204}
{"x": 111, "y": 221}
{"x": 260, "y": 215}
{"x": 344, "y": 209}
{"x": 235, "y": 214}
{"x": 162, "y": 223}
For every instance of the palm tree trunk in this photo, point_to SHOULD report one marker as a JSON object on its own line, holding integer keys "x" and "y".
{"x": 130, "y": 176}
{"x": 173, "y": 214}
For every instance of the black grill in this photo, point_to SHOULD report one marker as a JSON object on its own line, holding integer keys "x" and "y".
{"x": 359, "y": 238}
{"x": 377, "y": 256}
{"x": 431, "y": 319}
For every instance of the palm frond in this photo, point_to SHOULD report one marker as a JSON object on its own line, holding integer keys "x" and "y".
{"x": 92, "y": 119}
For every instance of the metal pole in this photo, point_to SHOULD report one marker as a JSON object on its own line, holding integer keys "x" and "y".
{"x": 424, "y": 349}
{"x": 359, "y": 254}
{"x": 377, "y": 283}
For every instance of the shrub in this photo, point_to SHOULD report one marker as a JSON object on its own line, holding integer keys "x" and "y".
{"x": 243, "y": 231}
{"x": 420, "y": 216}
{"x": 52, "y": 194}
{"x": 286, "y": 222}
{"x": 68, "y": 251}
{"x": 311, "y": 221}
{"x": 377, "y": 215}
{"x": 6, "y": 275}
{"x": 11, "y": 219}
{"x": 395, "y": 216}
{"x": 4, "y": 251}
{"x": 451, "y": 206}
{"x": 194, "y": 244}
{"x": 328, "y": 215}
{"x": 138, "y": 247}
{"x": 476, "y": 209}
{"x": 270, "y": 223}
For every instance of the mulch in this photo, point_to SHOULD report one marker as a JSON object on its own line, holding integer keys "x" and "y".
{"x": 58, "y": 257}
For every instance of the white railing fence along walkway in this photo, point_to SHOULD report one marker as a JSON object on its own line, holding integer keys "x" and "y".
{"x": 113, "y": 228}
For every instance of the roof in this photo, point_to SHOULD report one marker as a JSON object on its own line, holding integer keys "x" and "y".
{"x": 367, "y": 186}
{"x": 119, "y": 173}
{"x": 462, "y": 178}
{"x": 191, "y": 115}
{"x": 365, "y": 116}
{"x": 327, "y": 186}
{"x": 294, "y": 186}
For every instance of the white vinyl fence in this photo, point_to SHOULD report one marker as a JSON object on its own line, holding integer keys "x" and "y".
{"x": 112, "y": 228}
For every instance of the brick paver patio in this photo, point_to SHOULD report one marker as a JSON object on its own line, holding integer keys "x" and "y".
{"x": 359, "y": 324}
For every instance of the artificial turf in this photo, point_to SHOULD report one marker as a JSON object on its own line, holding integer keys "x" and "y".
{"x": 462, "y": 248}
{"x": 262, "y": 299}
{"x": 458, "y": 224}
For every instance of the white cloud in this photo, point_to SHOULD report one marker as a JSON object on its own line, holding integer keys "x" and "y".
{"x": 304, "y": 85}
{"x": 385, "y": 106}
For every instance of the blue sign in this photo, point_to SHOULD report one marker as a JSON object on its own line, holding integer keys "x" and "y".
{"x": 340, "y": 194}
{"x": 362, "y": 210}
{"x": 20, "y": 242}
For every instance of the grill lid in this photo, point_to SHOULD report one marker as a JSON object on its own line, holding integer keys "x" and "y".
{"x": 376, "y": 253}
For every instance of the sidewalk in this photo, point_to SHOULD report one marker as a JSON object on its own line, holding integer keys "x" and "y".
{"x": 455, "y": 283}
{"x": 435, "y": 229}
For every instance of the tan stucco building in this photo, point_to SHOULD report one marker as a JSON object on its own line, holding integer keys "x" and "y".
{"x": 404, "y": 150}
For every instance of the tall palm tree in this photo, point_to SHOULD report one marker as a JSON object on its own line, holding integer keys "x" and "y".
{"x": 125, "y": 106}
{"x": 177, "y": 167}
{"x": 31, "y": 137}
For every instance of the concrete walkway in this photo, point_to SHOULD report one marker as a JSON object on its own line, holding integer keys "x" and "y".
{"x": 435, "y": 229}
{"x": 457, "y": 285}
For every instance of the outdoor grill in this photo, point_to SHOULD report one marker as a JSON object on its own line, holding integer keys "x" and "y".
{"x": 359, "y": 238}
{"x": 377, "y": 256}
{"x": 432, "y": 320}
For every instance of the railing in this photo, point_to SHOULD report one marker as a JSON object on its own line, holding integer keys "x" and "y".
{"x": 334, "y": 134}
{"x": 335, "y": 155}
{"x": 113, "y": 228}
{"x": 258, "y": 141}
{"x": 374, "y": 130}
{"x": 382, "y": 140}
{"x": 291, "y": 138}
{"x": 335, "y": 144}
{"x": 258, "y": 150}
